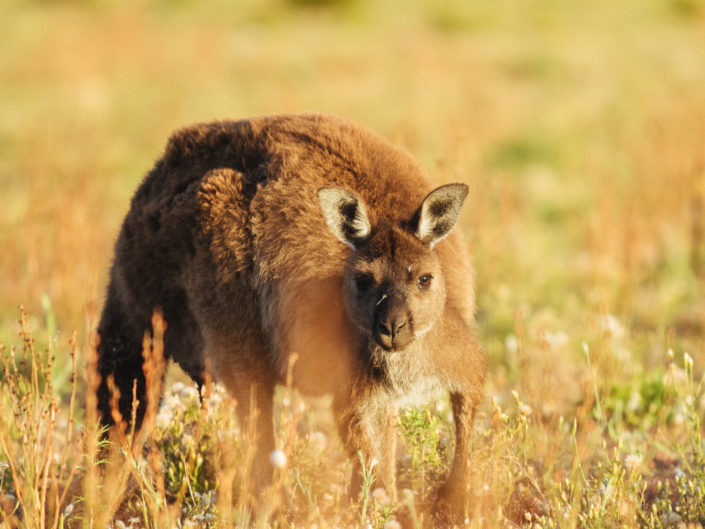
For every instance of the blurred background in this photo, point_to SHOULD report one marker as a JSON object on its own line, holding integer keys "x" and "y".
{"x": 579, "y": 127}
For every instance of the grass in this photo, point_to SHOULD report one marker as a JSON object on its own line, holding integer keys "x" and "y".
{"x": 188, "y": 465}
{"x": 580, "y": 130}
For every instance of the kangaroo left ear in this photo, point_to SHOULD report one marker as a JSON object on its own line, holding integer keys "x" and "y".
{"x": 439, "y": 212}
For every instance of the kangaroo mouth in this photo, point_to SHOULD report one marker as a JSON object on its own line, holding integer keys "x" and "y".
{"x": 393, "y": 344}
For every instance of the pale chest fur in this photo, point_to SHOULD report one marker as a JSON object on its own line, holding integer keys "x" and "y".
{"x": 405, "y": 377}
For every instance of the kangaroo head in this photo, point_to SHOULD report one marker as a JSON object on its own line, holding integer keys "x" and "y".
{"x": 394, "y": 287}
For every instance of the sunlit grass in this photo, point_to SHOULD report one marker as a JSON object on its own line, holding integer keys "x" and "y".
{"x": 632, "y": 459}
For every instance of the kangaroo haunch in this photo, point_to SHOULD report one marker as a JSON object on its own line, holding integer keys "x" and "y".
{"x": 262, "y": 238}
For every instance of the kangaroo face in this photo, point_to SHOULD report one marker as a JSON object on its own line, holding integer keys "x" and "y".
{"x": 394, "y": 288}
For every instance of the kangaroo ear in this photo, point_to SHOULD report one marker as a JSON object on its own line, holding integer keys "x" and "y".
{"x": 439, "y": 212}
{"x": 345, "y": 215}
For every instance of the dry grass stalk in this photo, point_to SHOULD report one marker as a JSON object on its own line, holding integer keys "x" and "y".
{"x": 28, "y": 442}
{"x": 225, "y": 464}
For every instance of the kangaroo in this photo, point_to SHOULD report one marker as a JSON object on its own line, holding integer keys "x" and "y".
{"x": 300, "y": 234}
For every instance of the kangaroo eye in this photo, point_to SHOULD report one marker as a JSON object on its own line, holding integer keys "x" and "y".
{"x": 363, "y": 283}
{"x": 424, "y": 281}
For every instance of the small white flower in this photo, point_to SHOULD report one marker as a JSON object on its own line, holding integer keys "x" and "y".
{"x": 392, "y": 524}
{"x": 177, "y": 387}
{"x": 612, "y": 325}
{"x": 173, "y": 402}
{"x": 189, "y": 393}
{"x": 318, "y": 440}
{"x": 380, "y": 496}
{"x": 216, "y": 399}
{"x": 632, "y": 462}
{"x": 164, "y": 417}
{"x": 277, "y": 458}
{"x": 525, "y": 410}
{"x": 556, "y": 340}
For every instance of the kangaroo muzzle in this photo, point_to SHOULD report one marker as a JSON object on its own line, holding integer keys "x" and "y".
{"x": 392, "y": 323}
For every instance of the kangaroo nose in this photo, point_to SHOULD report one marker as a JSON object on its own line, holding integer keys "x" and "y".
{"x": 393, "y": 333}
{"x": 392, "y": 327}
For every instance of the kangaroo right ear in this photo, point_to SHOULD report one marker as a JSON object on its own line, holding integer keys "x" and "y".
{"x": 345, "y": 215}
{"x": 439, "y": 212}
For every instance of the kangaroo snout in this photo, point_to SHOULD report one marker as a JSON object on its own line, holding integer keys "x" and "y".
{"x": 392, "y": 324}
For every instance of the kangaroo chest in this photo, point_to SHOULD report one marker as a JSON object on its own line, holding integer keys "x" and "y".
{"x": 404, "y": 377}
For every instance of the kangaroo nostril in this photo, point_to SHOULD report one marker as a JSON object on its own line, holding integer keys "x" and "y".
{"x": 385, "y": 328}
{"x": 399, "y": 326}
{"x": 391, "y": 327}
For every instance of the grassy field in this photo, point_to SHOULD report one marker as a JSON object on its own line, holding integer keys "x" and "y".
{"x": 580, "y": 130}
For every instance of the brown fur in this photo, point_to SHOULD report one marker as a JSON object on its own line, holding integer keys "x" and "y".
{"x": 226, "y": 235}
